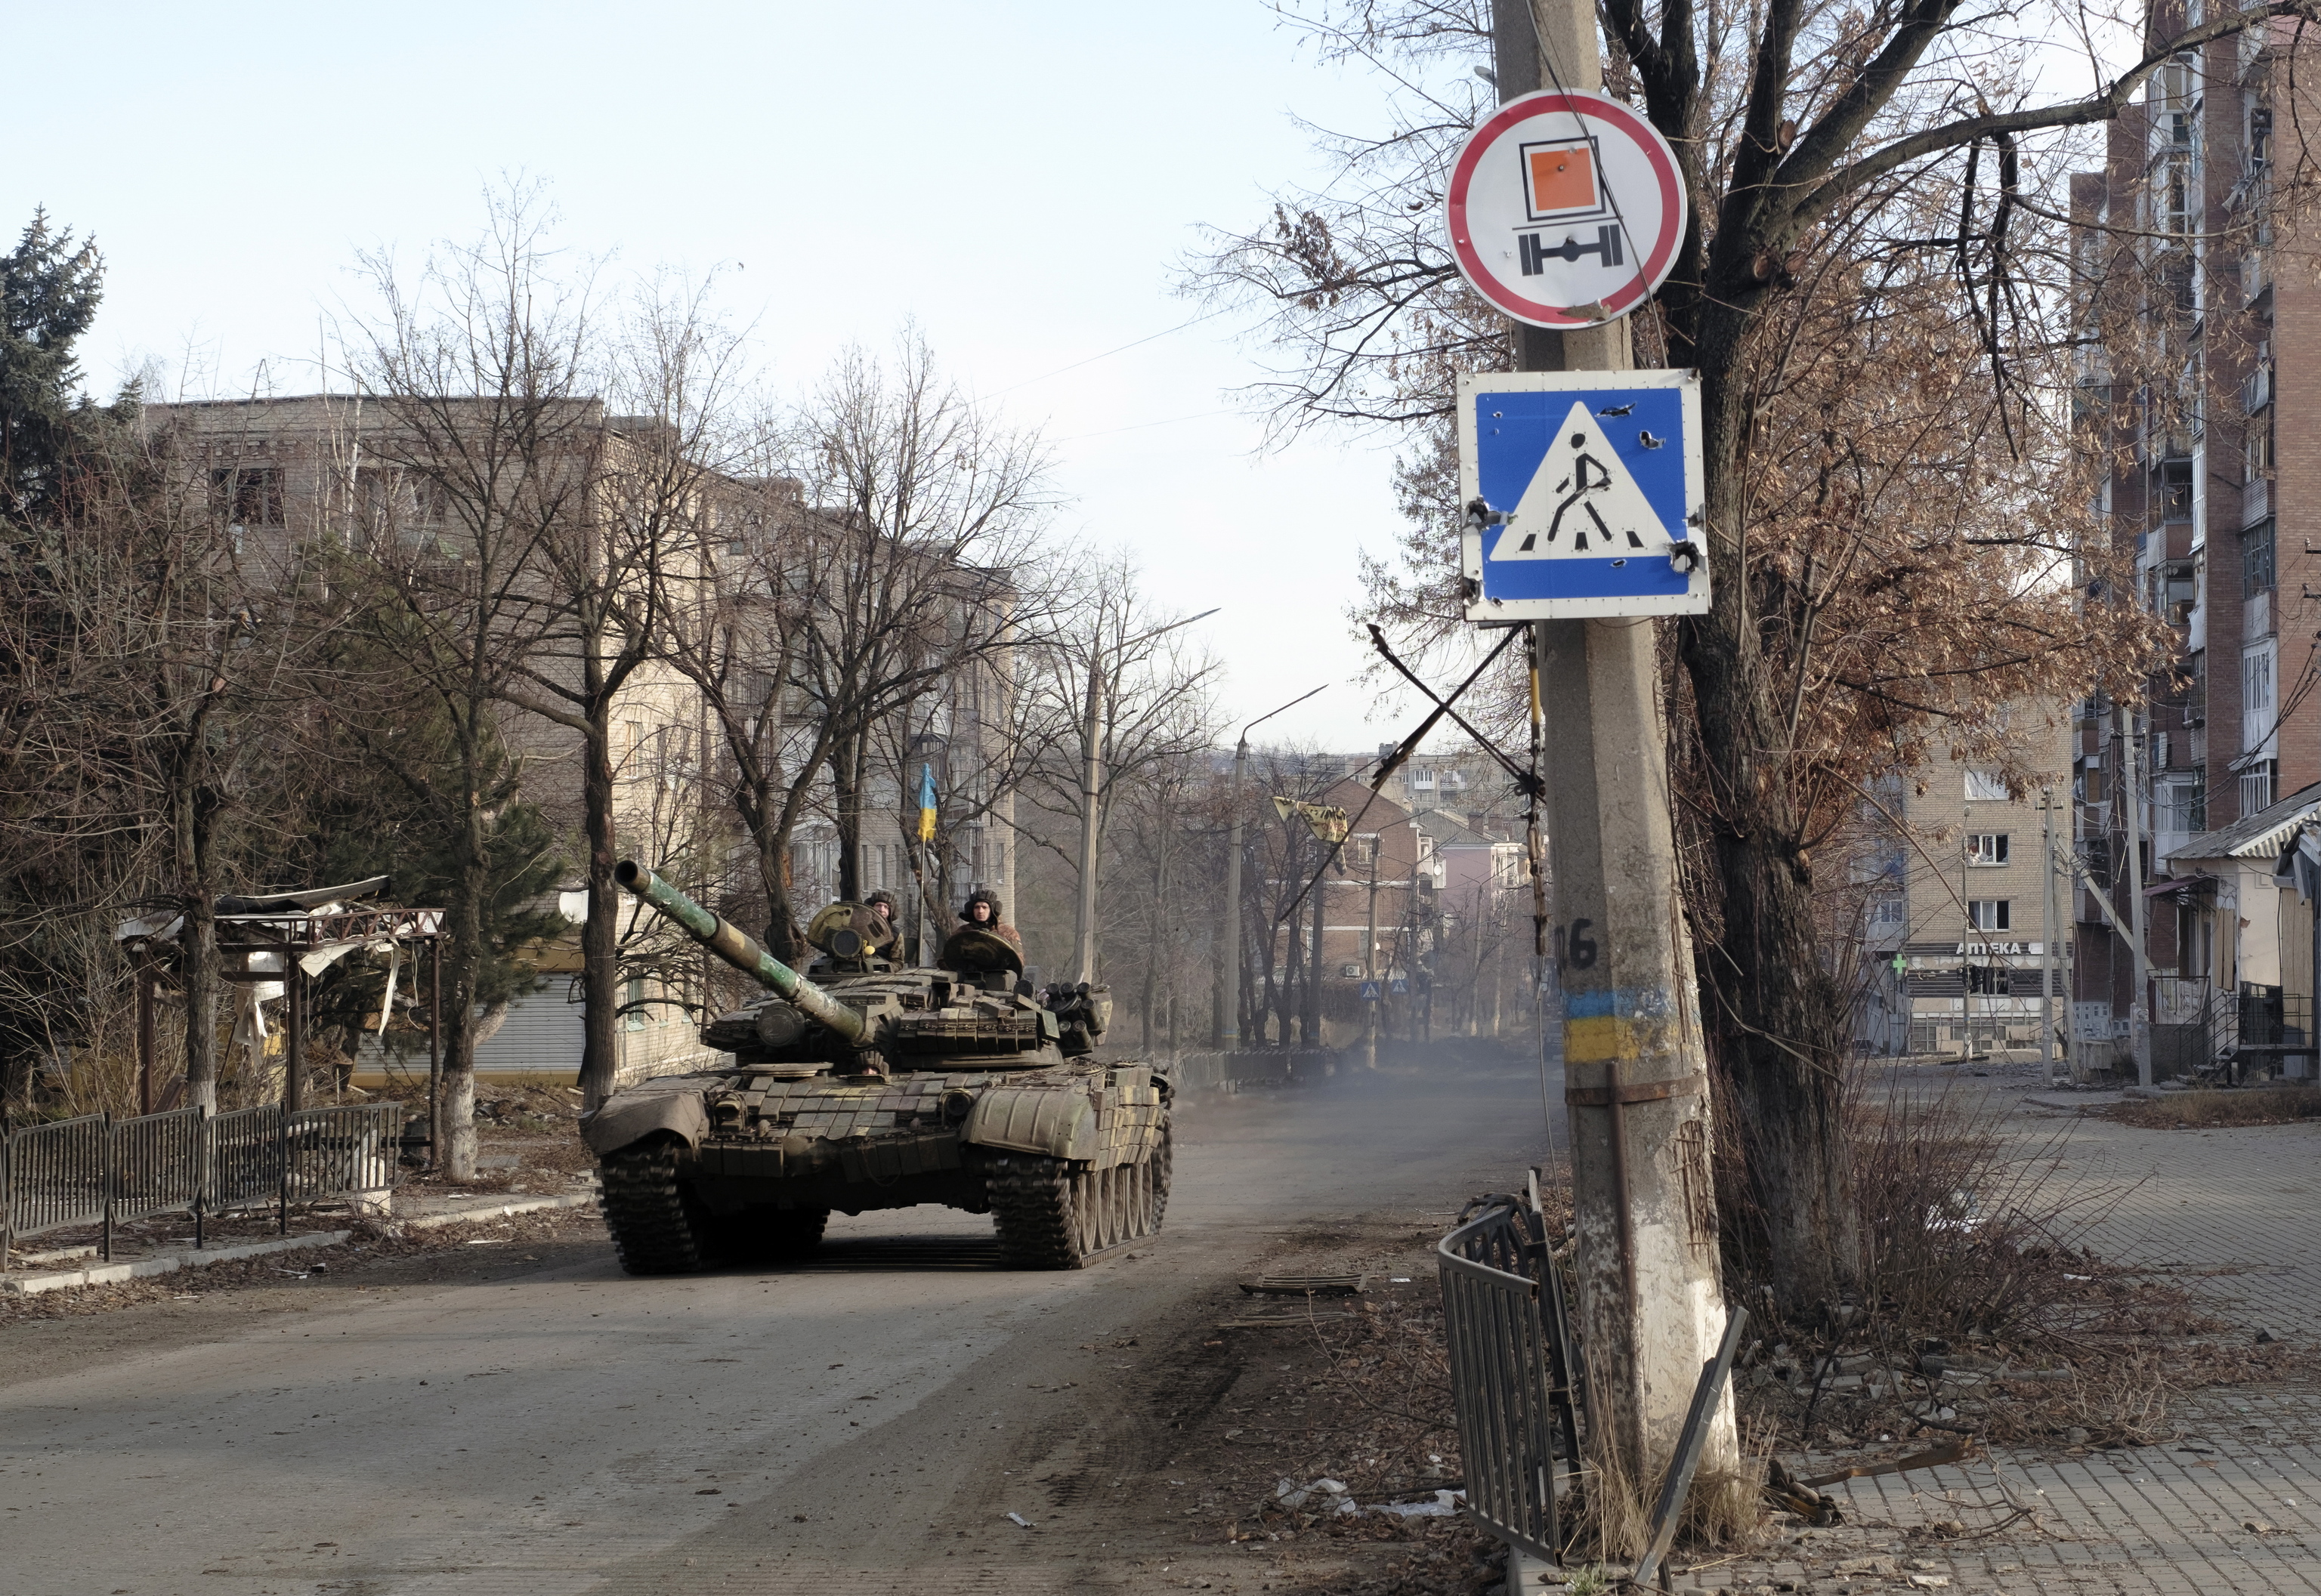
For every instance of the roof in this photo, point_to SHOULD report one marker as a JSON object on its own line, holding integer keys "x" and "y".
{"x": 2260, "y": 836}
{"x": 1449, "y": 830}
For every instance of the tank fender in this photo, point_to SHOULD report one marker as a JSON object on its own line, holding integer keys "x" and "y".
{"x": 634, "y": 1115}
{"x": 1055, "y": 1122}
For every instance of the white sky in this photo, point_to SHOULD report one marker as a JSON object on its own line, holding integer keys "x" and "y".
{"x": 1021, "y": 178}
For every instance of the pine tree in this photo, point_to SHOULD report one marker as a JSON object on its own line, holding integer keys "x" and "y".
{"x": 49, "y": 294}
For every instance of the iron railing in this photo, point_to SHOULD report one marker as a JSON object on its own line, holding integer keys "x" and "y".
{"x": 335, "y": 1150}
{"x": 245, "y": 1158}
{"x": 1513, "y": 1371}
{"x": 55, "y": 1176}
{"x": 1253, "y": 1067}
{"x": 96, "y": 1170}
{"x": 156, "y": 1164}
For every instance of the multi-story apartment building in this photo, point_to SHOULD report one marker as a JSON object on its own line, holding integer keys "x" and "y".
{"x": 1951, "y": 881}
{"x": 2201, "y": 316}
{"x": 292, "y": 473}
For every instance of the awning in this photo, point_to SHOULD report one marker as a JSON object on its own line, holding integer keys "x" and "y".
{"x": 2178, "y": 883}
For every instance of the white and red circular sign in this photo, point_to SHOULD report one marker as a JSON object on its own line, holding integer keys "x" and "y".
{"x": 1566, "y": 208}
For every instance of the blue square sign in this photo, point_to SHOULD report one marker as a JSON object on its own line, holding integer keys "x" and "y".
{"x": 1584, "y": 494}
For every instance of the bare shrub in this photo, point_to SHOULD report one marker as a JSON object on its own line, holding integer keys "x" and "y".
{"x": 1969, "y": 1230}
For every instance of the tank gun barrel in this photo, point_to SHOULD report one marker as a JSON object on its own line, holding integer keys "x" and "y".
{"x": 738, "y": 949}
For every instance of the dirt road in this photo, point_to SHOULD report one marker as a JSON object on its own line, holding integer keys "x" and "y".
{"x": 544, "y": 1424}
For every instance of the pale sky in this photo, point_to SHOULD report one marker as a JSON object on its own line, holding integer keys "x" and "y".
{"x": 1021, "y": 179}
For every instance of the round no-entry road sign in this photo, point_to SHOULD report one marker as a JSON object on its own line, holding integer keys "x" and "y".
{"x": 1566, "y": 208}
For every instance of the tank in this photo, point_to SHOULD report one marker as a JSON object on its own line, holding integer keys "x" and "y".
{"x": 873, "y": 1085}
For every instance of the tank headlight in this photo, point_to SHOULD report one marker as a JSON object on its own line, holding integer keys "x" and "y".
{"x": 956, "y": 1104}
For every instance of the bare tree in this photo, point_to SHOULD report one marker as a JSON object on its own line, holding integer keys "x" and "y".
{"x": 1870, "y": 291}
{"x": 906, "y": 564}
{"x": 1119, "y": 691}
{"x": 180, "y": 632}
{"x": 480, "y": 421}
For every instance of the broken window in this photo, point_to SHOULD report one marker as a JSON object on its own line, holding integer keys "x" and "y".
{"x": 250, "y": 496}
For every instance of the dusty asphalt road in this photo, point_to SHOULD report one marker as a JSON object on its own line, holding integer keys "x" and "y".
{"x": 863, "y": 1424}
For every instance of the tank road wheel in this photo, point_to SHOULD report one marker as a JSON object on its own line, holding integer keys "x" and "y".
{"x": 653, "y": 1225}
{"x": 1122, "y": 1207}
{"x": 1037, "y": 1208}
{"x": 1087, "y": 1204}
{"x": 1112, "y": 1206}
{"x": 1140, "y": 1199}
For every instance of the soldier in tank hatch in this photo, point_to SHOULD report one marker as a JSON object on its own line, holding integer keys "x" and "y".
{"x": 982, "y": 910}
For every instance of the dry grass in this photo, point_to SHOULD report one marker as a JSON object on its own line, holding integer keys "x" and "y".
{"x": 2202, "y": 1111}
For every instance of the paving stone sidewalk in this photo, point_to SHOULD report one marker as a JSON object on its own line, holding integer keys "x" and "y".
{"x": 2232, "y": 1505}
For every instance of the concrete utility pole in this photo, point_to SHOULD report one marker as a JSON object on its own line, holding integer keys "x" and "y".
{"x": 2139, "y": 1010}
{"x": 1370, "y": 963}
{"x": 1652, "y": 1311}
{"x": 1228, "y": 1033}
{"x": 2046, "y": 932}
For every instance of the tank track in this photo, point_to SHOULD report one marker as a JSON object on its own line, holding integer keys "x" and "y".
{"x": 1042, "y": 1209}
{"x": 651, "y": 1223}
{"x": 1163, "y": 1160}
{"x": 1033, "y": 1209}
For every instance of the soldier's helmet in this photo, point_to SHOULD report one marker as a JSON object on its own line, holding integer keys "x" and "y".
{"x": 981, "y": 895}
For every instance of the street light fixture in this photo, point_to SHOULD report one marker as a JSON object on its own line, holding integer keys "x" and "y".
{"x": 1091, "y": 786}
{"x": 1232, "y": 1037}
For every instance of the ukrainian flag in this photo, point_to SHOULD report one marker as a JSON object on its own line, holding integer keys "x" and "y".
{"x": 926, "y": 803}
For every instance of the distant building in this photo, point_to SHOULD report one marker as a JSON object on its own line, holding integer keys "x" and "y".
{"x": 1947, "y": 896}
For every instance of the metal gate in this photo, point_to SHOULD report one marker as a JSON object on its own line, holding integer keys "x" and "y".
{"x": 1513, "y": 1372}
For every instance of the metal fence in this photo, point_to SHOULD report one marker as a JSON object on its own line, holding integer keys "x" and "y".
{"x": 97, "y": 1170}
{"x": 56, "y": 1176}
{"x": 329, "y": 1151}
{"x": 157, "y": 1164}
{"x": 245, "y": 1158}
{"x": 1513, "y": 1371}
{"x": 1253, "y": 1067}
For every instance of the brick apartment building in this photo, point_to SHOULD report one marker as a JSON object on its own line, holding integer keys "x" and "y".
{"x": 2201, "y": 314}
{"x": 287, "y": 473}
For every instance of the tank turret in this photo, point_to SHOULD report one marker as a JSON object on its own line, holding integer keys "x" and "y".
{"x": 880, "y": 1086}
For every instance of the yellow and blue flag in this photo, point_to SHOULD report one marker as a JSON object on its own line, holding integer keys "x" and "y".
{"x": 926, "y": 803}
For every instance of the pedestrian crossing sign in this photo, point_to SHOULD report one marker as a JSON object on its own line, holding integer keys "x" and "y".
{"x": 1584, "y": 494}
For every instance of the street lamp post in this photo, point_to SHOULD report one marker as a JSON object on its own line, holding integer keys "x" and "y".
{"x": 1092, "y": 786}
{"x": 1230, "y": 1038}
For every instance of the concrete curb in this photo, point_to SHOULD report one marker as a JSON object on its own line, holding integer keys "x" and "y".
{"x": 63, "y": 1280}
{"x": 30, "y": 1285}
{"x": 493, "y": 1211}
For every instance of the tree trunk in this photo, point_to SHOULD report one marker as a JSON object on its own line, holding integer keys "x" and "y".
{"x": 846, "y": 756}
{"x": 198, "y": 974}
{"x": 1776, "y": 1017}
{"x": 774, "y": 878}
{"x": 463, "y": 959}
{"x": 600, "y": 952}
